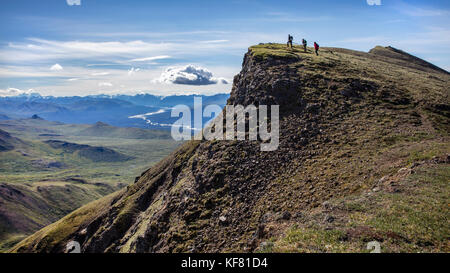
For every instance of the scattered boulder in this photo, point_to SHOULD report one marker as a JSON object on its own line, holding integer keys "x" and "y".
{"x": 329, "y": 219}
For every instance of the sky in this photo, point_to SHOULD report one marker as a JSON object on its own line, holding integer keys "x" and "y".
{"x": 84, "y": 47}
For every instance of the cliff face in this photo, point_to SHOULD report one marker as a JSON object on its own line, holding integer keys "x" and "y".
{"x": 347, "y": 120}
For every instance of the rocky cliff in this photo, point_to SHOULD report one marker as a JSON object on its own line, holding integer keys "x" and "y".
{"x": 355, "y": 127}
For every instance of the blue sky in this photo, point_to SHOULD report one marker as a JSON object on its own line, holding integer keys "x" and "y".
{"x": 80, "y": 47}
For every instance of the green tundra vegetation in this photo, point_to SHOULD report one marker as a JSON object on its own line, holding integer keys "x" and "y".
{"x": 53, "y": 168}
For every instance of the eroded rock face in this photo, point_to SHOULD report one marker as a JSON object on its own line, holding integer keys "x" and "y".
{"x": 213, "y": 196}
{"x": 266, "y": 83}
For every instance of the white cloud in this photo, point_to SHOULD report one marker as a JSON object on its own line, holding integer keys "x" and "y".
{"x": 214, "y": 42}
{"x": 86, "y": 63}
{"x": 105, "y": 84}
{"x": 99, "y": 74}
{"x": 79, "y": 80}
{"x": 73, "y": 2}
{"x": 10, "y": 92}
{"x": 118, "y": 52}
{"x": 36, "y": 50}
{"x": 150, "y": 58}
{"x": 189, "y": 75}
{"x": 56, "y": 67}
{"x": 133, "y": 71}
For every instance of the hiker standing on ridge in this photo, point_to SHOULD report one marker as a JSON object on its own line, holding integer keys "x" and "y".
{"x": 290, "y": 39}
{"x": 316, "y": 48}
{"x": 305, "y": 43}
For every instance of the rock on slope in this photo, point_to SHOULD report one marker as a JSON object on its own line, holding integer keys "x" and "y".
{"x": 347, "y": 119}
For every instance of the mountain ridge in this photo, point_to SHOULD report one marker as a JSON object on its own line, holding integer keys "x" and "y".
{"x": 348, "y": 123}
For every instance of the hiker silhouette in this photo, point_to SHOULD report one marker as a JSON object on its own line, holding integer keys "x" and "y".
{"x": 290, "y": 40}
{"x": 305, "y": 43}
{"x": 316, "y": 48}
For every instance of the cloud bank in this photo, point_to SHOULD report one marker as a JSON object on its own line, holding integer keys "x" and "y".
{"x": 11, "y": 92}
{"x": 189, "y": 75}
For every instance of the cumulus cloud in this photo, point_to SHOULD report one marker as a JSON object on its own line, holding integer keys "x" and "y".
{"x": 105, "y": 84}
{"x": 56, "y": 67}
{"x": 73, "y": 2}
{"x": 189, "y": 75}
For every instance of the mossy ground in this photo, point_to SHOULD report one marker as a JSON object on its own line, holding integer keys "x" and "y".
{"x": 264, "y": 51}
{"x": 377, "y": 138}
{"x": 412, "y": 219}
{"x": 62, "y": 230}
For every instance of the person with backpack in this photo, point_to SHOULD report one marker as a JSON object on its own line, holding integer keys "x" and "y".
{"x": 316, "y": 48}
{"x": 305, "y": 43}
{"x": 290, "y": 40}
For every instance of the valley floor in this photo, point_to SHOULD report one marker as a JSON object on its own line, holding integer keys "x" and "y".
{"x": 40, "y": 184}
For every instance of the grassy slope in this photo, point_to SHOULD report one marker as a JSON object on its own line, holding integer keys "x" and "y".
{"x": 410, "y": 214}
{"x": 51, "y": 193}
{"x": 411, "y": 217}
{"x": 104, "y": 130}
{"x": 70, "y": 223}
{"x": 378, "y": 170}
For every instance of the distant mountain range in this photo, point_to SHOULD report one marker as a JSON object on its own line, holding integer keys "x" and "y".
{"x": 39, "y": 127}
{"x": 112, "y": 109}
